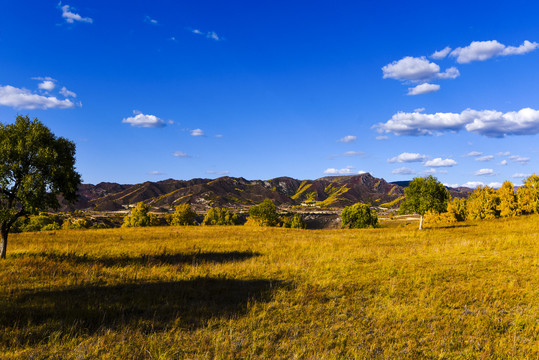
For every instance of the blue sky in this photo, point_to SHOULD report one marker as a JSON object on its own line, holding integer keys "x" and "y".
{"x": 150, "y": 90}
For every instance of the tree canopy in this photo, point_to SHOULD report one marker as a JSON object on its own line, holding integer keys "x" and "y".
{"x": 265, "y": 213}
{"x": 358, "y": 216}
{"x": 425, "y": 194}
{"x": 35, "y": 167}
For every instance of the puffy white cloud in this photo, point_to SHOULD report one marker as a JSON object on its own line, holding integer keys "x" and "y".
{"x": 424, "y": 88}
{"x": 520, "y": 159}
{"x": 349, "y": 170}
{"x": 403, "y": 171}
{"x": 348, "y": 139}
{"x": 47, "y": 85}
{"x": 181, "y": 154}
{"x": 473, "y": 153}
{"x": 520, "y": 176}
{"x": 439, "y": 162}
{"x": 407, "y": 157}
{"x": 67, "y": 93}
{"x": 412, "y": 68}
{"x": 419, "y": 109}
{"x": 484, "y": 50}
{"x": 489, "y": 123}
{"x": 495, "y": 185}
{"x": 25, "y": 99}
{"x": 451, "y": 185}
{"x": 485, "y": 172}
{"x": 485, "y": 158}
{"x": 71, "y": 17}
{"x": 197, "y": 132}
{"x": 503, "y": 162}
{"x": 213, "y": 172}
{"x": 473, "y": 184}
{"x": 142, "y": 120}
{"x": 441, "y": 54}
{"x": 503, "y": 153}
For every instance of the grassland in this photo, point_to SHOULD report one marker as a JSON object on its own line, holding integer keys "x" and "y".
{"x": 469, "y": 291}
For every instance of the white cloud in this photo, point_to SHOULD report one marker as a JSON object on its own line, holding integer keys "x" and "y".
{"x": 430, "y": 171}
{"x": 506, "y": 153}
{"x": 219, "y": 136}
{"x": 441, "y": 54}
{"x": 489, "y": 123}
{"x": 419, "y": 110}
{"x": 67, "y": 93}
{"x": 485, "y": 172}
{"x": 346, "y": 171}
{"x": 403, "y": 171}
{"x": 197, "y": 132}
{"x": 424, "y": 88}
{"x": 47, "y": 85}
{"x": 142, "y": 120}
{"x": 407, "y": 157}
{"x": 473, "y": 153}
{"x": 439, "y": 162}
{"x": 495, "y": 185}
{"x": 452, "y": 185}
{"x": 417, "y": 69}
{"x": 520, "y": 176}
{"x": 503, "y": 162}
{"x": 225, "y": 172}
{"x": 472, "y": 184}
{"x": 347, "y": 154}
{"x": 382, "y": 137}
{"x": 484, "y": 50}
{"x": 181, "y": 154}
{"x": 360, "y": 172}
{"x": 149, "y": 20}
{"x": 70, "y": 17}
{"x": 348, "y": 139}
{"x": 485, "y": 158}
{"x": 25, "y": 99}
{"x": 155, "y": 172}
{"x": 209, "y": 35}
{"x": 520, "y": 159}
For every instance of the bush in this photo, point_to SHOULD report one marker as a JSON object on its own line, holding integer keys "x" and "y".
{"x": 264, "y": 214}
{"x": 456, "y": 209}
{"x": 140, "y": 216}
{"x": 483, "y": 203}
{"x": 294, "y": 222}
{"x": 183, "y": 215}
{"x": 220, "y": 216}
{"x": 358, "y": 216}
{"x": 75, "y": 224}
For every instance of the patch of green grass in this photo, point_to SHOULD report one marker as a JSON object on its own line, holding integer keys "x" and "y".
{"x": 466, "y": 291}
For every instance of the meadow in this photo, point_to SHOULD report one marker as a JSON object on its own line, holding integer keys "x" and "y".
{"x": 465, "y": 291}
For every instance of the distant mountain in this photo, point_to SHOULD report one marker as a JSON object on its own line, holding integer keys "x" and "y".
{"x": 327, "y": 192}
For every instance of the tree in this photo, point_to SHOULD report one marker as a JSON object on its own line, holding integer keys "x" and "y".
{"x": 483, "y": 203}
{"x": 265, "y": 213}
{"x": 35, "y": 167}
{"x": 532, "y": 189}
{"x": 220, "y": 216}
{"x": 508, "y": 205}
{"x": 358, "y": 216}
{"x": 140, "y": 216}
{"x": 424, "y": 194}
{"x": 456, "y": 209}
{"x": 183, "y": 215}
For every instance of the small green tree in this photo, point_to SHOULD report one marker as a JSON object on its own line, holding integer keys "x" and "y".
{"x": 140, "y": 216}
{"x": 358, "y": 216}
{"x": 220, "y": 216}
{"x": 183, "y": 215}
{"x": 35, "y": 167}
{"x": 293, "y": 222}
{"x": 424, "y": 194}
{"x": 265, "y": 213}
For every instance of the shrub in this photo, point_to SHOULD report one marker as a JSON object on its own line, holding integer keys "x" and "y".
{"x": 220, "y": 216}
{"x": 264, "y": 214}
{"x": 456, "y": 209}
{"x": 183, "y": 215}
{"x": 75, "y": 224}
{"x": 358, "y": 216}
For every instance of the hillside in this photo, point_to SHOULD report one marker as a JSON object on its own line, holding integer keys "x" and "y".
{"x": 326, "y": 192}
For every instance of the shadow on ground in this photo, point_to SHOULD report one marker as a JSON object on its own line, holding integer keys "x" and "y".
{"x": 156, "y": 259}
{"x": 147, "y": 307}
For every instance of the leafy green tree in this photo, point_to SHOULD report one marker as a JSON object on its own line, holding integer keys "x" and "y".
{"x": 358, "y": 216}
{"x": 424, "y": 194}
{"x": 140, "y": 216}
{"x": 508, "y": 205}
{"x": 35, "y": 167}
{"x": 265, "y": 213}
{"x": 183, "y": 215}
{"x": 220, "y": 216}
{"x": 483, "y": 203}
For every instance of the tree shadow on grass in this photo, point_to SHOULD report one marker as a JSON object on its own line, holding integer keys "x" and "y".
{"x": 147, "y": 307}
{"x": 155, "y": 259}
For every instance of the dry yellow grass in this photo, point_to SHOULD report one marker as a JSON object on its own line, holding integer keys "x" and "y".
{"x": 469, "y": 291}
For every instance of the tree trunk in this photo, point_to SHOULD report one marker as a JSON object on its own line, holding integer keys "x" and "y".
{"x": 3, "y": 243}
{"x": 421, "y": 223}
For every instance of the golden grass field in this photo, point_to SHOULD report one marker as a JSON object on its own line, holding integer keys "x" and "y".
{"x": 464, "y": 292}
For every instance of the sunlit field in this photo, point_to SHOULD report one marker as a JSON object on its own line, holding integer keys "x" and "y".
{"x": 468, "y": 291}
